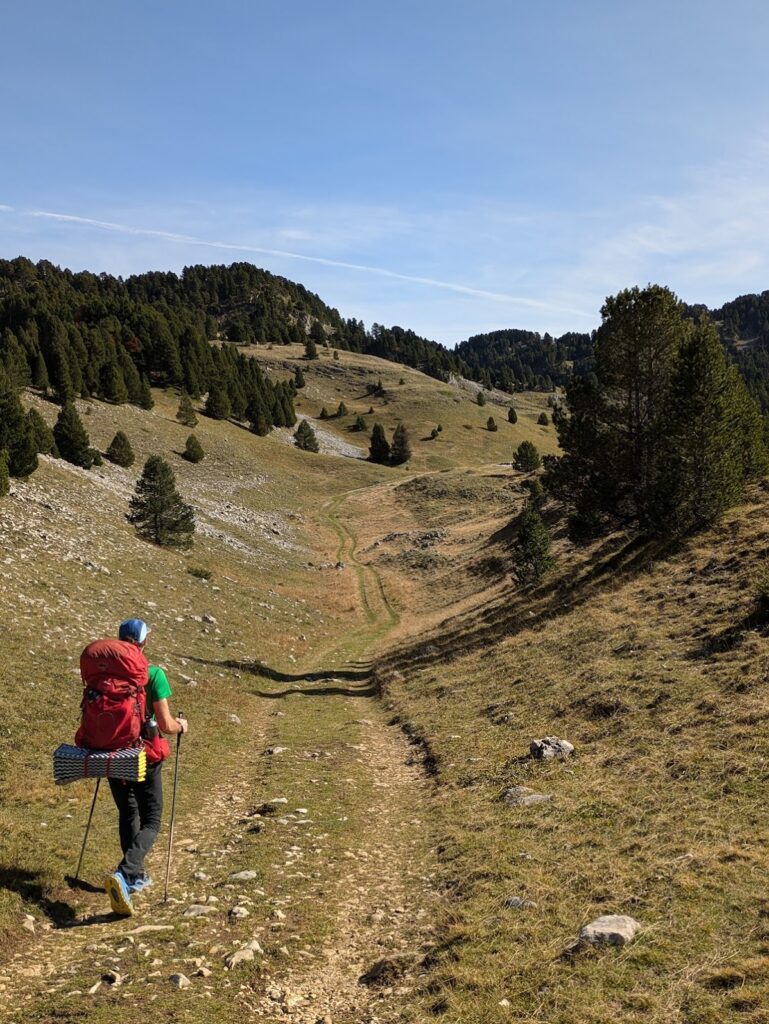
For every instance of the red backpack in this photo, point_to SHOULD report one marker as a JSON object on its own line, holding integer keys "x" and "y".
{"x": 114, "y": 674}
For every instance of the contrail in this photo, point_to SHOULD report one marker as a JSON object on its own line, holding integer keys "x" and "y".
{"x": 172, "y": 236}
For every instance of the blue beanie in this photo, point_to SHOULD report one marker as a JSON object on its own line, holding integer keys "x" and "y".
{"x": 134, "y": 630}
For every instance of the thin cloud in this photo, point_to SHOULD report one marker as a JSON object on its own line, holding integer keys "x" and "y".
{"x": 172, "y": 236}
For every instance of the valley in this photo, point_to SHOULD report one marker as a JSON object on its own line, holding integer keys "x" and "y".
{"x": 363, "y": 678}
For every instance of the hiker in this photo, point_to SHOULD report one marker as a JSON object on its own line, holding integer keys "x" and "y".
{"x": 143, "y": 712}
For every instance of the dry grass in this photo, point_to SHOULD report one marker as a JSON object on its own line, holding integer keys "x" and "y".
{"x": 659, "y": 681}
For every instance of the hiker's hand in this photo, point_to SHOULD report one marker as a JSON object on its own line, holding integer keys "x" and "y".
{"x": 183, "y": 727}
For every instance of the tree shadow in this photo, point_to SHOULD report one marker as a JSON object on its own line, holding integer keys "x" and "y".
{"x": 518, "y": 609}
{"x": 361, "y": 674}
{"x": 87, "y": 922}
{"x": 29, "y": 886}
{"x": 733, "y": 636}
{"x": 79, "y": 883}
{"x": 371, "y": 690}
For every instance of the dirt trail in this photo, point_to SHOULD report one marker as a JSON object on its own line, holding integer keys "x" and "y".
{"x": 344, "y": 886}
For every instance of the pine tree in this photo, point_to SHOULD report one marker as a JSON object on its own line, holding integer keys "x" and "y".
{"x": 157, "y": 510}
{"x": 71, "y": 438}
{"x": 491, "y": 424}
{"x": 379, "y": 448}
{"x": 400, "y": 450}
{"x": 481, "y": 398}
{"x": 185, "y": 414}
{"x": 299, "y": 381}
{"x": 257, "y": 416}
{"x": 120, "y": 451}
{"x": 512, "y": 415}
{"x": 193, "y": 450}
{"x": 543, "y": 419}
{"x": 323, "y": 415}
{"x": 304, "y": 437}
{"x": 42, "y": 433}
{"x": 526, "y": 458}
{"x": 218, "y": 403}
{"x": 342, "y": 410}
{"x": 336, "y": 354}
{"x": 5, "y": 476}
{"x": 310, "y": 348}
{"x": 40, "y": 373}
{"x": 13, "y": 360}
{"x": 146, "y": 401}
{"x": 703, "y": 471}
{"x": 113, "y": 386}
{"x": 16, "y": 434}
{"x": 359, "y": 424}
{"x": 531, "y": 552}
{"x": 613, "y": 428}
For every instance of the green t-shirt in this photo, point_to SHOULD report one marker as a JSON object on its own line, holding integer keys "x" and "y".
{"x": 158, "y": 687}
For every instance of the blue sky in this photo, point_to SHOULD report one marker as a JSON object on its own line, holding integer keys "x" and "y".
{"x": 447, "y": 165}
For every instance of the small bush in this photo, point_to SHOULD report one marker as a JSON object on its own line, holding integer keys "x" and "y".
{"x": 193, "y": 450}
{"x": 120, "y": 451}
{"x": 526, "y": 458}
{"x": 200, "y": 573}
{"x": 543, "y": 419}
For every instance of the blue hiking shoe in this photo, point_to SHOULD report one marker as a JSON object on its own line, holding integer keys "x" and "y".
{"x": 141, "y": 882}
{"x": 119, "y": 894}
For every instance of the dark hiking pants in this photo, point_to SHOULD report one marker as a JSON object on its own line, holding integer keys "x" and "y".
{"x": 140, "y": 809}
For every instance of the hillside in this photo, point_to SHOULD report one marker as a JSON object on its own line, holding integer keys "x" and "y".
{"x": 361, "y": 651}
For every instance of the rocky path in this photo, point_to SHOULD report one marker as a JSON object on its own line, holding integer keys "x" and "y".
{"x": 302, "y": 882}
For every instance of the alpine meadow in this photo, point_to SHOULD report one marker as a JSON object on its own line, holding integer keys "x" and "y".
{"x": 384, "y": 513}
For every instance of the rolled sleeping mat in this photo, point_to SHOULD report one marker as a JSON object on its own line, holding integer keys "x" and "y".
{"x": 72, "y": 763}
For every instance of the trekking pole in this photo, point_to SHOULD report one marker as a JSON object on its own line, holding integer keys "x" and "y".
{"x": 173, "y": 812}
{"x": 87, "y": 830}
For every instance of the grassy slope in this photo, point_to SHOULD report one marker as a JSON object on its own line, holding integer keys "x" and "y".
{"x": 653, "y": 666}
{"x": 647, "y": 661}
{"x": 420, "y": 402}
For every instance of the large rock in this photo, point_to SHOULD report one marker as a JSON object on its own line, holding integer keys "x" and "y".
{"x": 180, "y": 981}
{"x": 522, "y": 796}
{"x": 610, "y": 930}
{"x": 550, "y": 747}
{"x": 242, "y": 876}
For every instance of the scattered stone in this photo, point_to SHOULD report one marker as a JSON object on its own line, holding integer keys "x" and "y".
{"x": 238, "y": 913}
{"x": 275, "y": 750}
{"x": 180, "y": 981}
{"x": 94, "y": 988}
{"x": 243, "y": 955}
{"x": 28, "y": 923}
{"x": 609, "y": 930}
{"x": 209, "y": 619}
{"x": 200, "y": 876}
{"x": 516, "y": 903}
{"x": 111, "y": 978}
{"x": 198, "y": 910}
{"x": 243, "y": 876}
{"x": 143, "y": 929}
{"x": 233, "y": 719}
{"x": 203, "y": 972}
{"x": 550, "y": 747}
{"x": 522, "y": 796}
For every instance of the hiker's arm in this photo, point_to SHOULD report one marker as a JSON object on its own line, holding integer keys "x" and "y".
{"x": 168, "y": 724}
